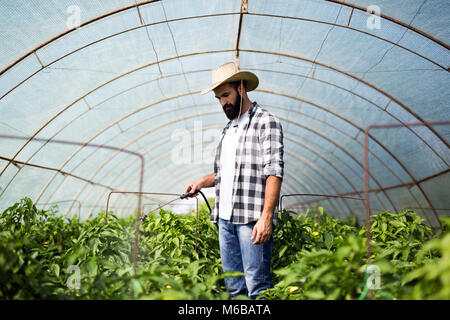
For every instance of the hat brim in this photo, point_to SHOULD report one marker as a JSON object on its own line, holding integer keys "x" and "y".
{"x": 250, "y": 79}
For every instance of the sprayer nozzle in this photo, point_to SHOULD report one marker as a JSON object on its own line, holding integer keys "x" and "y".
{"x": 189, "y": 194}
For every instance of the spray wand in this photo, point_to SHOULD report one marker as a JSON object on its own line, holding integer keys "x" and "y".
{"x": 182, "y": 196}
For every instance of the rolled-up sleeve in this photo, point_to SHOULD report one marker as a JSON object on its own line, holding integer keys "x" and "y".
{"x": 271, "y": 138}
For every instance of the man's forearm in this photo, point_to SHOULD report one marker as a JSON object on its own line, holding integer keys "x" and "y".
{"x": 263, "y": 228}
{"x": 272, "y": 192}
{"x": 207, "y": 181}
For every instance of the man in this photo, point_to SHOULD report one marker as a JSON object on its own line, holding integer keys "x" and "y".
{"x": 248, "y": 172}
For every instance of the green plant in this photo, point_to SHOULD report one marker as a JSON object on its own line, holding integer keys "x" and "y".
{"x": 315, "y": 256}
{"x": 432, "y": 279}
{"x": 322, "y": 273}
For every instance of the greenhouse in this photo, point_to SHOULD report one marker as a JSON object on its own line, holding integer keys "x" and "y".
{"x": 103, "y": 125}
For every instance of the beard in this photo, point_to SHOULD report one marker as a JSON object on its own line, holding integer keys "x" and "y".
{"x": 232, "y": 110}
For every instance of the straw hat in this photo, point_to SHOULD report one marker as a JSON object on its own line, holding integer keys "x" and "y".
{"x": 229, "y": 72}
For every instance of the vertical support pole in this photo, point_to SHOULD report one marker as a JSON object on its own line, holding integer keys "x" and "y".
{"x": 136, "y": 233}
{"x": 366, "y": 201}
{"x": 244, "y": 9}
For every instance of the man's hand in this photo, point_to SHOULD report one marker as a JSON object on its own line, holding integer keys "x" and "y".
{"x": 263, "y": 227}
{"x": 194, "y": 187}
{"x": 262, "y": 231}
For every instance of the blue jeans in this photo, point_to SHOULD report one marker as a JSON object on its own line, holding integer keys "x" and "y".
{"x": 238, "y": 253}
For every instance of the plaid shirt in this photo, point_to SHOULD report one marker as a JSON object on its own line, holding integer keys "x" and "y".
{"x": 259, "y": 154}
